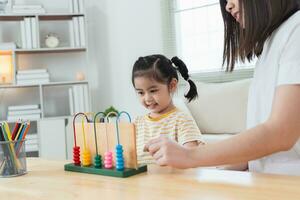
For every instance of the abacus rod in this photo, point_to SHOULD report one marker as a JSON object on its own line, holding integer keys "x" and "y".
{"x": 84, "y": 135}
{"x": 117, "y": 123}
{"x": 74, "y": 130}
{"x": 117, "y": 128}
{"x": 95, "y": 131}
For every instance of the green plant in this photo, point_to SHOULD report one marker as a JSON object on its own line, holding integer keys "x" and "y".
{"x": 111, "y": 109}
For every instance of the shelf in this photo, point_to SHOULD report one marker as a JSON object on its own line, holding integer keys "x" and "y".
{"x": 44, "y": 84}
{"x": 65, "y": 83}
{"x": 58, "y": 117}
{"x": 35, "y": 120}
{"x": 59, "y": 16}
{"x": 44, "y": 16}
{"x": 49, "y": 50}
{"x": 14, "y": 121}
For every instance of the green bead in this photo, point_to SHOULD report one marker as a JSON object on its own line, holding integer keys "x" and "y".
{"x": 97, "y": 161}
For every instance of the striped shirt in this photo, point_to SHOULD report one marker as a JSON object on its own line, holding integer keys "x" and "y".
{"x": 175, "y": 124}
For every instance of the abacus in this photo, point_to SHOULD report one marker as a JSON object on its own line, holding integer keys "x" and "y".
{"x": 97, "y": 139}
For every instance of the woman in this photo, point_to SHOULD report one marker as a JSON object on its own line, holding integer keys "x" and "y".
{"x": 270, "y": 30}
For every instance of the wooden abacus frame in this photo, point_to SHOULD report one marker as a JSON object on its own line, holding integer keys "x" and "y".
{"x": 97, "y": 167}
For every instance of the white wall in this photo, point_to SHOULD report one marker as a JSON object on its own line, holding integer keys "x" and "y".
{"x": 120, "y": 32}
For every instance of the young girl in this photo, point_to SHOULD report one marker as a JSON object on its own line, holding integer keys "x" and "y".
{"x": 155, "y": 80}
{"x": 270, "y": 30}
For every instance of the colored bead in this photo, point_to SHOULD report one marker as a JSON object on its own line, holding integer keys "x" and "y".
{"x": 97, "y": 161}
{"x": 119, "y": 158}
{"x": 76, "y": 155}
{"x": 108, "y": 161}
{"x": 86, "y": 158}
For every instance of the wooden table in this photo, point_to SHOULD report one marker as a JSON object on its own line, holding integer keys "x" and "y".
{"x": 47, "y": 180}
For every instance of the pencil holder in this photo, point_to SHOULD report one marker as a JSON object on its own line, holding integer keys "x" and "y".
{"x": 12, "y": 158}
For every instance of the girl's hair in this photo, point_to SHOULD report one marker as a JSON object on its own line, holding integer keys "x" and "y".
{"x": 261, "y": 18}
{"x": 160, "y": 68}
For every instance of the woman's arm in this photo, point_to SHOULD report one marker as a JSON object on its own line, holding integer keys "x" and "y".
{"x": 279, "y": 133}
{"x": 191, "y": 144}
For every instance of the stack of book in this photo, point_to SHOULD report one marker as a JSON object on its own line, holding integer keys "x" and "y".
{"x": 34, "y": 76}
{"x": 76, "y": 6}
{"x": 79, "y": 99}
{"x": 7, "y": 45}
{"x": 77, "y": 32}
{"x": 29, "y": 33}
{"x": 28, "y": 9}
{"x": 24, "y": 112}
{"x": 31, "y": 143}
{"x": 76, "y": 25}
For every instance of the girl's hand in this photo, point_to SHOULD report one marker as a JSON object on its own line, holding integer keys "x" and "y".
{"x": 167, "y": 152}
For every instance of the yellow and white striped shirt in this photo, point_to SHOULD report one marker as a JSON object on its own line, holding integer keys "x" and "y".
{"x": 175, "y": 124}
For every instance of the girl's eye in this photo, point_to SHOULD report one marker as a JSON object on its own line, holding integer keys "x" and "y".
{"x": 153, "y": 91}
{"x": 140, "y": 93}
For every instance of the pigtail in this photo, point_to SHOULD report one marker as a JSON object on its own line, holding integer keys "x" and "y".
{"x": 183, "y": 70}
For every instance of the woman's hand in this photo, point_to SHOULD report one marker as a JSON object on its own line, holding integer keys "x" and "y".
{"x": 167, "y": 152}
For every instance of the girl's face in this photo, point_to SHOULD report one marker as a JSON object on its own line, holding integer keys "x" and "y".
{"x": 234, "y": 9}
{"x": 155, "y": 96}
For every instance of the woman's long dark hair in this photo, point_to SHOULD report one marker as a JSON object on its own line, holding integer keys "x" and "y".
{"x": 161, "y": 69}
{"x": 261, "y": 18}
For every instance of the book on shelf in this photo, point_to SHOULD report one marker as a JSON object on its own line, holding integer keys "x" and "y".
{"x": 71, "y": 33}
{"x": 70, "y": 6}
{"x": 31, "y": 141}
{"x": 8, "y": 45}
{"x": 33, "y": 81}
{"x": 76, "y": 6}
{"x": 24, "y": 117}
{"x": 31, "y": 7}
{"x": 24, "y": 112}
{"x": 28, "y": 9}
{"x": 32, "y": 137}
{"x": 86, "y": 97}
{"x": 79, "y": 99}
{"x": 81, "y": 31}
{"x": 32, "y": 71}
{"x": 29, "y": 33}
{"x": 31, "y": 147}
{"x": 81, "y": 6}
{"x": 23, "y": 107}
{"x": 8, "y": 6}
{"x": 23, "y": 34}
{"x": 76, "y": 99}
{"x": 34, "y": 32}
{"x": 76, "y": 31}
{"x": 33, "y": 76}
{"x": 71, "y": 101}
{"x": 21, "y": 111}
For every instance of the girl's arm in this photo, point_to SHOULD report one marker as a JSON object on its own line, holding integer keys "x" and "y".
{"x": 279, "y": 133}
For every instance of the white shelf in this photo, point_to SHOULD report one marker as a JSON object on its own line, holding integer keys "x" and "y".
{"x": 55, "y": 99}
{"x": 14, "y": 121}
{"x": 33, "y": 120}
{"x": 44, "y": 84}
{"x": 65, "y": 83}
{"x": 58, "y": 117}
{"x": 49, "y": 50}
{"x": 44, "y": 16}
